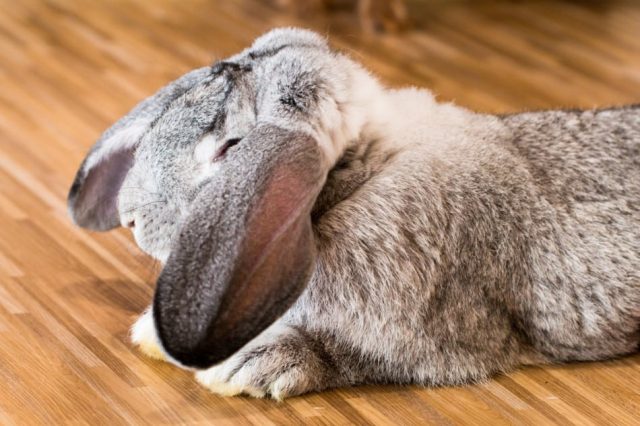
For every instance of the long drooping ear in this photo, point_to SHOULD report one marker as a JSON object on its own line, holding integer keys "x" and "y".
{"x": 246, "y": 250}
{"x": 92, "y": 199}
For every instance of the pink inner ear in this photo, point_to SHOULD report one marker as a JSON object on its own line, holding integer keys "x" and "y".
{"x": 286, "y": 199}
{"x": 278, "y": 250}
{"x": 93, "y": 199}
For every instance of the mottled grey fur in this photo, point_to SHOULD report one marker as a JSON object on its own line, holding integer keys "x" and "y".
{"x": 442, "y": 256}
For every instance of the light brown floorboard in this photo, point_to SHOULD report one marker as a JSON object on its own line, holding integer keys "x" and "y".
{"x": 70, "y": 68}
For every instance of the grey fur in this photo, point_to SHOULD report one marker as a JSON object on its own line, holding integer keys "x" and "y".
{"x": 92, "y": 197}
{"x": 483, "y": 244}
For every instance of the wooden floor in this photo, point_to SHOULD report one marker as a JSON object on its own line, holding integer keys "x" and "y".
{"x": 67, "y": 297}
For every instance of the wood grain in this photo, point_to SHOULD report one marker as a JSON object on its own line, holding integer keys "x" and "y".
{"x": 67, "y": 297}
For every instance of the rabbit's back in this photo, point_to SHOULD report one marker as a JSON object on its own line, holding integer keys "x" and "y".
{"x": 582, "y": 298}
{"x": 581, "y": 156}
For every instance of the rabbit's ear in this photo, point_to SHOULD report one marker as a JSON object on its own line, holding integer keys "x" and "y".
{"x": 245, "y": 251}
{"x": 92, "y": 199}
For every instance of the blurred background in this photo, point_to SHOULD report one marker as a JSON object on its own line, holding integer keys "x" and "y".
{"x": 70, "y": 68}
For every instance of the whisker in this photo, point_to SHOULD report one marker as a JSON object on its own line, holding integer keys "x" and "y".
{"x": 137, "y": 188}
{"x": 144, "y": 205}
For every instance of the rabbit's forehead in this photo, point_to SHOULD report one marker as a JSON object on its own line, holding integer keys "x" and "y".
{"x": 213, "y": 109}
{"x": 185, "y": 119}
{"x": 228, "y": 102}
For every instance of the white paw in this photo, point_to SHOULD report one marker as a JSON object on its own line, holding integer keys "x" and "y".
{"x": 145, "y": 337}
{"x": 222, "y": 379}
{"x": 268, "y": 366}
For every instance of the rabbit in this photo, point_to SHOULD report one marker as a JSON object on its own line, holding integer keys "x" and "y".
{"x": 319, "y": 230}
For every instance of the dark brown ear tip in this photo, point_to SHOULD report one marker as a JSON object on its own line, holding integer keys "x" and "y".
{"x": 202, "y": 357}
{"x": 199, "y": 359}
{"x": 188, "y": 348}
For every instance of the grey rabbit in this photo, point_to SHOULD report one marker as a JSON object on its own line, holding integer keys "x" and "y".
{"x": 319, "y": 230}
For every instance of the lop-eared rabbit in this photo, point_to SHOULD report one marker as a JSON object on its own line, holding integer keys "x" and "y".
{"x": 319, "y": 230}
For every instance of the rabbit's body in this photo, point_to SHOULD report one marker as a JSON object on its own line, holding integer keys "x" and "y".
{"x": 507, "y": 241}
{"x": 448, "y": 245}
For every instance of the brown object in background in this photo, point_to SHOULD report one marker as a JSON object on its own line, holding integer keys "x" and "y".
{"x": 373, "y": 15}
{"x": 389, "y": 15}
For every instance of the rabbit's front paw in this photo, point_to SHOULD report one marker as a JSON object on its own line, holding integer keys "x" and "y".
{"x": 278, "y": 365}
{"x": 145, "y": 337}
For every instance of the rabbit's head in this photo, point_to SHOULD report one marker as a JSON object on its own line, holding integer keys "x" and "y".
{"x": 216, "y": 176}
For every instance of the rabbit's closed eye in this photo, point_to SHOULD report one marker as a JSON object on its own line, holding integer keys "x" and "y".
{"x": 225, "y": 147}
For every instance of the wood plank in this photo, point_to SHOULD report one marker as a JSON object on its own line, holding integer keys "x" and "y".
{"x": 67, "y": 297}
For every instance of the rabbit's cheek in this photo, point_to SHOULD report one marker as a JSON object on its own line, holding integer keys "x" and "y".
{"x": 154, "y": 229}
